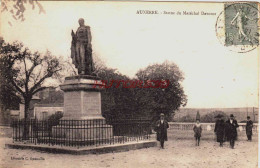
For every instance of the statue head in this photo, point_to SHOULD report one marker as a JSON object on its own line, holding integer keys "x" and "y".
{"x": 81, "y": 22}
{"x": 240, "y": 9}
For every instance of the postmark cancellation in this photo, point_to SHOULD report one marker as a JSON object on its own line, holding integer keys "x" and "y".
{"x": 237, "y": 27}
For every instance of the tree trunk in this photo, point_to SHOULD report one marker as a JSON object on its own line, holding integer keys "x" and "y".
{"x": 26, "y": 119}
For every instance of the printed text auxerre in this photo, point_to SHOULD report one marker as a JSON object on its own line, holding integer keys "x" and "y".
{"x": 147, "y": 12}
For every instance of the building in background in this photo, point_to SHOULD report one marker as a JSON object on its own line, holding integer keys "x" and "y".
{"x": 19, "y": 114}
{"x": 43, "y": 111}
{"x": 43, "y": 104}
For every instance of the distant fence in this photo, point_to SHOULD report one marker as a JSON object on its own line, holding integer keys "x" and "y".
{"x": 206, "y": 126}
{"x": 81, "y": 132}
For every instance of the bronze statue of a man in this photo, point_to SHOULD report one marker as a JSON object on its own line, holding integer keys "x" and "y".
{"x": 81, "y": 49}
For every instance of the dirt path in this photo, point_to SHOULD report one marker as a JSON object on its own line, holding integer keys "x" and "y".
{"x": 178, "y": 153}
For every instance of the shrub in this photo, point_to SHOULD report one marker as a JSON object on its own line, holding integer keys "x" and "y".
{"x": 187, "y": 118}
{"x": 54, "y": 118}
{"x": 210, "y": 117}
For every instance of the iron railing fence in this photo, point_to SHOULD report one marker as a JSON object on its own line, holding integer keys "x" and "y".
{"x": 80, "y": 132}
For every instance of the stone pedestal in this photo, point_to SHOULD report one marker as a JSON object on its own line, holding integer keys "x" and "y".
{"x": 82, "y": 97}
{"x": 82, "y": 119}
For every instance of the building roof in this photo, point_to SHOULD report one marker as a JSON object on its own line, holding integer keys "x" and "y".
{"x": 49, "y": 105}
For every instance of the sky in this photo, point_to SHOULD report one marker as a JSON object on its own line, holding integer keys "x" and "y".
{"x": 215, "y": 77}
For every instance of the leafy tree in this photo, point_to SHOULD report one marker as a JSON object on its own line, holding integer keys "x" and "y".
{"x": 27, "y": 72}
{"x": 8, "y": 99}
{"x": 153, "y": 101}
{"x": 125, "y": 102}
{"x": 117, "y": 101}
{"x": 210, "y": 117}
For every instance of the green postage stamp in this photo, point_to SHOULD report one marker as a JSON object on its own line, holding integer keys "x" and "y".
{"x": 237, "y": 26}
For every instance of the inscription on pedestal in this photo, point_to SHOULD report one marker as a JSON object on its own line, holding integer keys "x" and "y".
{"x": 80, "y": 102}
{"x": 72, "y": 104}
{"x": 92, "y": 103}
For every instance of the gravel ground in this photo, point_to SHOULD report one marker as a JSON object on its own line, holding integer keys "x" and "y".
{"x": 178, "y": 153}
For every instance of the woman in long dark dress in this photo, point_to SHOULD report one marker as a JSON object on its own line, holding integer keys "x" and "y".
{"x": 220, "y": 129}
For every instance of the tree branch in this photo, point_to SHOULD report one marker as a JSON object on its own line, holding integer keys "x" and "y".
{"x": 49, "y": 74}
{"x": 39, "y": 89}
{"x": 26, "y": 74}
{"x": 37, "y": 77}
{"x": 35, "y": 64}
{"x": 17, "y": 88}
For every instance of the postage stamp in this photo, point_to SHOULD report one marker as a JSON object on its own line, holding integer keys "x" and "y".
{"x": 237, "y": 26}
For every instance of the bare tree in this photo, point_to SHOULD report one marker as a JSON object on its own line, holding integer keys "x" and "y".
{"x": 27, "y": 72}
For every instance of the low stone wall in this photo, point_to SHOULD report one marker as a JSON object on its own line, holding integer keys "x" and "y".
{"x": 85, "y": 150}
{"x": 205, "y": 126}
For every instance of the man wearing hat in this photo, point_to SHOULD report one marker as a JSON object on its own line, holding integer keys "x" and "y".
{"x": 249, "y": 126}
{"x": 232, "y": 130}
{"x": 161, "y": 128}
{"x": 220, "y": 129}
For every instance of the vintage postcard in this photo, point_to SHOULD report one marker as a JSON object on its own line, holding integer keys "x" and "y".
{"x": 129, "y": 84}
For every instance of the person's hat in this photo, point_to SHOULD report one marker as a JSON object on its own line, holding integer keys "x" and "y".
{"x": 219, "y": 116}
{"x": 248, "y": 117}
{"x": 231, "y": 115}
{"x": 161, "y": 114}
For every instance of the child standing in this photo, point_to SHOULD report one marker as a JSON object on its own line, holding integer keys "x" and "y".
{"x": 197, "y": 131}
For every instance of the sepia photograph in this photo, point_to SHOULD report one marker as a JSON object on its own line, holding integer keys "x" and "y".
{"x": 129, "y": 84}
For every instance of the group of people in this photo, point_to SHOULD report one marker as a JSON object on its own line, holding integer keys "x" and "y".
{"x": 225, "y": 131}
{"x": 228, "y": 130}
